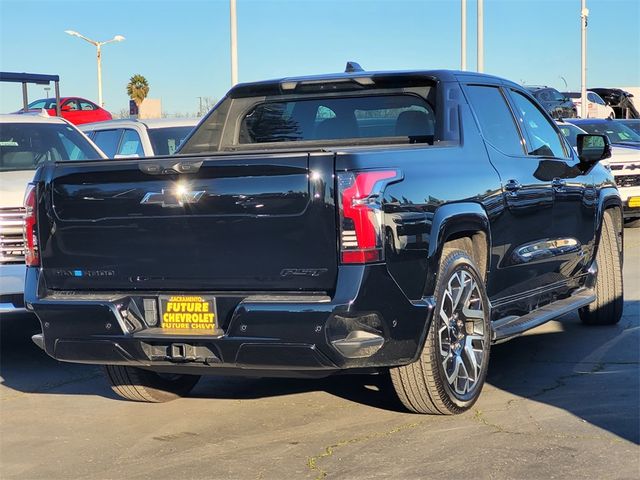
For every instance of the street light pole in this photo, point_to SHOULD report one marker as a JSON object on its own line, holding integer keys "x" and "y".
{"x": 463, "y": 35}
{"x": 480, "y": 36}
{"x": 584, "y": 20}
{"x": 98, "y": 45}
{"x": 233, "y": 18}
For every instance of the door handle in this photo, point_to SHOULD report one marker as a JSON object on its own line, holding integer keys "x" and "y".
{"x": 512, "y": 186}
{"x": 558, "y": 183}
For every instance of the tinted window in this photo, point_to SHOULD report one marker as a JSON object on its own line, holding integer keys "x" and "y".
{"x": 38, "y": 104}
{"x": 131, "y": 144}
{"x": 616, "y": 131}
{"x": 165, "y": 141}
{"x": 543, "y": 138}
{"x": 571, "y": 132}
{"x": 107, "y": 141}
{"x": 496, "y": 120}
{"x": 25, "y": 146}
{"x": 556, "y": 95}
{"x": 592, "y": 97}
{"x": 340, "y": 118}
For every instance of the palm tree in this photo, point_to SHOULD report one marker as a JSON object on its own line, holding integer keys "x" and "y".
{"x": 137, "y": 88}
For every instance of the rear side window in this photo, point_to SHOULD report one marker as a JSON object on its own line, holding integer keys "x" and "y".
{"x": 496, "y": 121}
{"x": 544, "y": 140}
{"x": 108, "y": 141}
{"x": 131, "y": 144}
{"x": 407, "y": 116}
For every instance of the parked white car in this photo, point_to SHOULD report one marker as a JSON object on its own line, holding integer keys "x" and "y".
{"x": 26, "y": 142}
{"x": 625, "y": 166}
{"x": 596, "y": 106}
{"x": 139, "y": 138}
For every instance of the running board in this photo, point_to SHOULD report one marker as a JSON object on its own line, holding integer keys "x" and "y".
{"x": 509, "y": 327}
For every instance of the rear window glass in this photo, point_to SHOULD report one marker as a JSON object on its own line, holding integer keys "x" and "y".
{"x": 26, "y": 146}
{"x": 408, "y": 116}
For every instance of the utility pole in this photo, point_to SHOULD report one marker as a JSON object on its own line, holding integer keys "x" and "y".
{"x": 200, "y": 109}
{"x": 481, "y": 36}
{"x": 463, "y": 35}
{"x": 584, "y": 21}
{"x": 234, "y": 42}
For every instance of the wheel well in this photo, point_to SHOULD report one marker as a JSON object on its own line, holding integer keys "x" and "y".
{"x": 475, "y": 244}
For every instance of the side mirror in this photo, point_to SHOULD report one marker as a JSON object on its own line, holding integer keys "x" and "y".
{"x": 66, "y": 108}
{"x": 593, "y": 148}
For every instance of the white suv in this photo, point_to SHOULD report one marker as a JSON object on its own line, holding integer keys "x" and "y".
{"x": 596, "y": 106}
{"x": 26, "y": 142}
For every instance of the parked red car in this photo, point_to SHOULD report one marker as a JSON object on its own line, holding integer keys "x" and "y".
{"x": 75, "y": 109}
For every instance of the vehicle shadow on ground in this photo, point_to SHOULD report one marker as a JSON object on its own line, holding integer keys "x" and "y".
{"x": 591, "y": 372}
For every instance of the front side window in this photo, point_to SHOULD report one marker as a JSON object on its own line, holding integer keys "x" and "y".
{"x": 592, "y": 97}
{"x": 544, "y": 139}
{"x": 131, "y": 145}
{"x": 495, "y": 118}
{"x": 25, "y": 146}
{"x": 108, "y": 141}
{"x": 70, "y": 105}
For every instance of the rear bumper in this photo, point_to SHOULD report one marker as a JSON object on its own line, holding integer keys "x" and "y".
{"x": 279, "y": 335}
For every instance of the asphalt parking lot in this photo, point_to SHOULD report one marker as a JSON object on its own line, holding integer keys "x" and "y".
{"x": 560, "y": 402}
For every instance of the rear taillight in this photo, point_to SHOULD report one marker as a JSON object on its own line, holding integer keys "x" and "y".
{"x": 361, "y": 222}
{"x": 32, "y": 256}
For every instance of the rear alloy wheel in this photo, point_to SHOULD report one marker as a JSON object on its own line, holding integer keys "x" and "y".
{"x": 141, "y": 385}
{"x": 449, "y": 375}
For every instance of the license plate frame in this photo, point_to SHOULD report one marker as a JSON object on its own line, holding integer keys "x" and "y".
{"x": 633, "y": 202}
{"x": 188, "y": 313}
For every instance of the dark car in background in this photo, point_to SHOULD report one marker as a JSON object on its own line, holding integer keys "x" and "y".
{"x": 618, "y": 133}
{"x": 74, "y": 109}
{"x": 557, "y": 104}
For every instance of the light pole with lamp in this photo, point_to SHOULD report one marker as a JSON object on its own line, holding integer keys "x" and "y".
{"x": 98, "y": 45}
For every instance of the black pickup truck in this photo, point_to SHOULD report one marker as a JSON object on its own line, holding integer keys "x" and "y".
{"x": 389, "y": 222}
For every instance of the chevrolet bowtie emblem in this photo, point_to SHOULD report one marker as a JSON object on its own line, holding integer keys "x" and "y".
{"x": 176, "y": 197}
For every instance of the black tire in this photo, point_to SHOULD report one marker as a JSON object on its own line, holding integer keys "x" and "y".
{"x": 632, "y": 223}
{"x": 141, "y": 385}
{"x": 607, "y": 307}
{"x": 423, "y": 386}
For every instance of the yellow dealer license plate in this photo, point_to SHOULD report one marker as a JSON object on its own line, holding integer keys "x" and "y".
{"x": 634, "y": 202}
{"x": 188, "y": 312}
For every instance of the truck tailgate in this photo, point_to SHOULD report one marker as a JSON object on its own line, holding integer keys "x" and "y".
{"x": 234, "y": 222}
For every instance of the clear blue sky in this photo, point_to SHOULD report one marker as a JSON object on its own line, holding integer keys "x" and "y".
{"x": 182, "y": 47}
